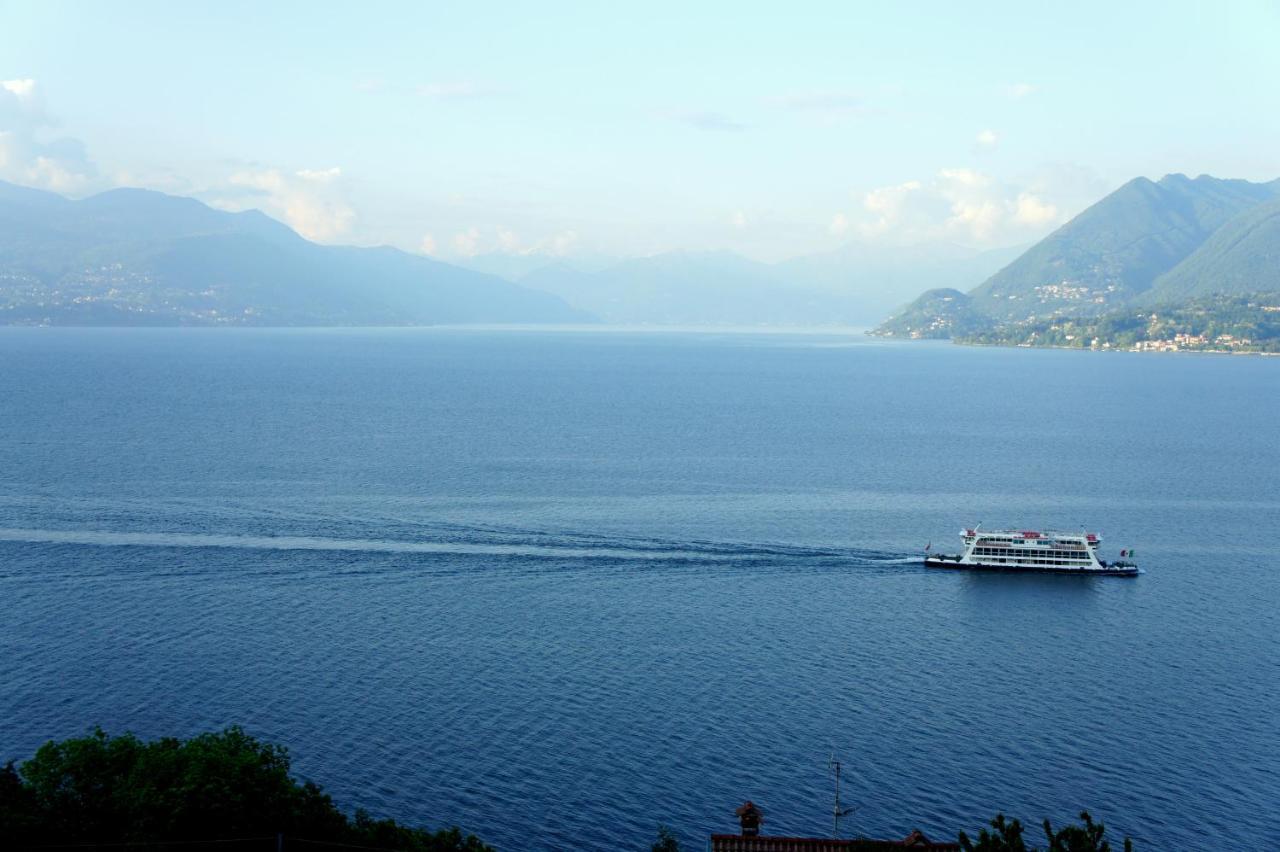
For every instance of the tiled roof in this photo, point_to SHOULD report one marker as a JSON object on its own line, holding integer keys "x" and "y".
{"x": 739, "y": 843}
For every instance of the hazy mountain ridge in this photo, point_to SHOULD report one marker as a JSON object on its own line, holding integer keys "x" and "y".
{"x": 687, "y": 288}
{"x": 856, "y": 284}
{"x": 1146, "y": 243}
{"x": 136, "y": 257}
{"x": 131, "y": 256}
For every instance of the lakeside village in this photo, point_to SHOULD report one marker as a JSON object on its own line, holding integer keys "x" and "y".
{"x": 114, "y": 295}
{"x": 1226, "y": 325}
{"x": 1190, "y": 343}
{"x": 1180, "y": 342}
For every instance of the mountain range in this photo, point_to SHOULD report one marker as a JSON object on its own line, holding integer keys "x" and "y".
{"x": 136, "y": 257}
{"x": 856, "y": 284}
{"x": 1147, "y": 243}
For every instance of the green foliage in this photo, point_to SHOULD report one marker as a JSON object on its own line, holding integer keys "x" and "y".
{"x": 17, "y": 806}
{"x": 666, "y": 841}
{"x": 1006, "y": 836}
{"x": 1090, "y": 837}
{"x": 1243, "y": 256}
{"x": 104, "y": 789}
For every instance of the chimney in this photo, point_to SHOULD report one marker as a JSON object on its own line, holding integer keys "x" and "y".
{"x": 750, "y": 817}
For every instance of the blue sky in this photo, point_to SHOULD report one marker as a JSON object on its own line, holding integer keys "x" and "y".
{"x": 773, "y": 130}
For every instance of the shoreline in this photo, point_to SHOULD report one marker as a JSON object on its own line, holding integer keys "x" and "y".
{"x": 975, "y": 343}
{"x": 1113, "y": 349}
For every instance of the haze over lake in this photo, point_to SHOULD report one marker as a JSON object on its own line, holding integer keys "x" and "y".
{"x": 561, "y": 586}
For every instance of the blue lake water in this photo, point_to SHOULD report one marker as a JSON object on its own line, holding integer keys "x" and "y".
{"x": 558, "y": 587}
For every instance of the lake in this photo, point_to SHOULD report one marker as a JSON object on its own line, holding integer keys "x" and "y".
{"x": 561, "y": 586}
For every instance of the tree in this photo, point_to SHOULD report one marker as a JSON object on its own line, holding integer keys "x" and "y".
{"x": 1081, "y": 838}
{"x": 104, "y": 789}
{"x": 1007, "y": 837}
{"x": 666, "y": 841}
{"x": 17, "y": 808}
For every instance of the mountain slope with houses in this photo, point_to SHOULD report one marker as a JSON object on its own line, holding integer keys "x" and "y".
{"x": 1149, "y": 243}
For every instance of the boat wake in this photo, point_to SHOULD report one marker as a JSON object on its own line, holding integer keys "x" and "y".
{"x": 496, "y": 543}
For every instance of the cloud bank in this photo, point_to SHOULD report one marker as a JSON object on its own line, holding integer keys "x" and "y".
{"x": 311, "y": 201}
{"x": 954, "y": 204}
{"x": 476, "y": 240}
{"x": 30, "y": 151}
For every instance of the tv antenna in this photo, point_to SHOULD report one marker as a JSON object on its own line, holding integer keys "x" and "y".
{"x": 837, "y": 812}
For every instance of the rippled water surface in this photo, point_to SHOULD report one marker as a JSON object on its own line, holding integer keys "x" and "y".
{"x": 558, "y": 587}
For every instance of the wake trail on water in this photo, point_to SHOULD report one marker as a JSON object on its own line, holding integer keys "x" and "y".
{"x": 498, "y": 544}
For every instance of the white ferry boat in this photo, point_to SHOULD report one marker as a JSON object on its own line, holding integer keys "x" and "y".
{"x": 1032, "y": 551}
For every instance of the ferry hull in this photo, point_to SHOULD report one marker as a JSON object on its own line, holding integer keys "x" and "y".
{"x": 957, "y": 565}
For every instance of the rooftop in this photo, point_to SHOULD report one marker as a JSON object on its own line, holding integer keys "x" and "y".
{"x": 738, "y": 843}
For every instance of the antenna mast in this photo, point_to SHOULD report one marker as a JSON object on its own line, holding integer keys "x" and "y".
{"x": 837, "y": 812}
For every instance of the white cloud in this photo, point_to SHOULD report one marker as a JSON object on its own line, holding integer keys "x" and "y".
{"x": 50, "y": 173}
{"x": 428, "y": 245}
{"x": 27, "y": 153}
{"x": 560, "y": 244}
{"x": 890, "y": 206}
{"x": 467, "y": 243}
{"x": 965, "y": 177}
{"x": 508, "y": 242}
{"x": 22, "y": 89}
{"x": 310, "y": 201}
{"x": 1017, "y": 91}
{"x": 980, "y": 219}
{"x": 320, "y": 175}
{"x": 988, "y": 139}
{"x": 957, "y": 204}
{"x": 477, "y": 240}
{"x": 839, "y": 224}
{"x": 738, "y": 219}
{"x": 1032, "y": 210}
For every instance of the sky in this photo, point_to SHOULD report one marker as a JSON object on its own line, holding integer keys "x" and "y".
{"x": 773, "y": 130}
